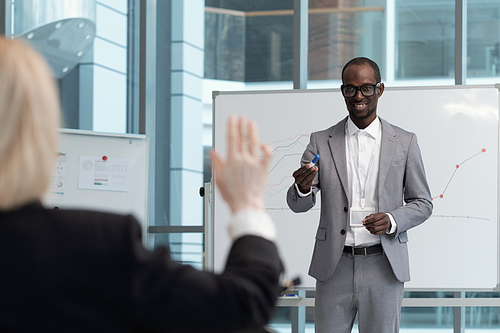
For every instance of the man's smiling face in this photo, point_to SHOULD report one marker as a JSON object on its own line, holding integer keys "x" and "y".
{"x": 362, "y": 109}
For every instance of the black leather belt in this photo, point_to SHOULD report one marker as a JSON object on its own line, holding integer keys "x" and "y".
{"x": 363, "y": 251}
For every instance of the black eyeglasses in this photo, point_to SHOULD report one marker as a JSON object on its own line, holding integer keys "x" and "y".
{"x": 367, "y": 90}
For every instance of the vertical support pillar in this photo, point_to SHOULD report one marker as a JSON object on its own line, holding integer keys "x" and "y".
{"x": 103, "y": 72}
{"x": 497, "y": 288}
{"x": 298, "y": 315}
{"x": 391, "y": 42}
{"x": 208, "y": 262}
{"x": 133, "y": 66}
{"x": 459, "y": 315}
{"x": 158, "y": 28}
{"x": 147, "y": 101}
{"x": 4, "y": 13}
{"x": 186, "y": 116}
{"x": 300, "y": 43}
{"x": 6, "y": 18}
{"x": 460, "y": 41}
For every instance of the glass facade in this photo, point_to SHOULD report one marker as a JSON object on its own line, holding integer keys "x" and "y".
{"x": 425, "y": 39}
{"x": 248, "y": 41}
{"x": 341, "y": 30}
{"x": 85, "y": 43}
{"x": 122, "y": 79}
{"x": 483, "y": 38}
{"x": 225, "y": 47}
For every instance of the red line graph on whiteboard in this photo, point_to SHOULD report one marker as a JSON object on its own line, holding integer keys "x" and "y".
{"x": 295, "y": 138}
{"x": 441, "y": 196}
{"x": 286, "y": 148}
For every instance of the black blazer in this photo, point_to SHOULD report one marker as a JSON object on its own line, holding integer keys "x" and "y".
{"x": 84, "y": 271}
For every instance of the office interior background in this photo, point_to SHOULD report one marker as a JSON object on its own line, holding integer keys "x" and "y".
{"x": 150, "y": 66}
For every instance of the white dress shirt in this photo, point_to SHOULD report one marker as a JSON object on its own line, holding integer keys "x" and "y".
{"x": 365, "y": 157}
{"x": 363, "y": 164}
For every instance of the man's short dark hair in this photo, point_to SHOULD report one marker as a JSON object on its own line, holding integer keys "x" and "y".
{"x": 363, "y": 61}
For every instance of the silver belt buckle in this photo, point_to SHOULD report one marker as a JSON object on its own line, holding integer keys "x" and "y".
{"x": 353, "y": 250}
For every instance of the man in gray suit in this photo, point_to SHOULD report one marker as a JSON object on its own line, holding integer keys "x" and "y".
{"x": 374, "y": 189}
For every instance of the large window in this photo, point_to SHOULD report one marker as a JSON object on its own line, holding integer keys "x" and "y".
{"x": 425, "y": 34}
{"x": 248, "y": 41}
{"x": 483, "y": 39}
{"x": 342, "y": 30}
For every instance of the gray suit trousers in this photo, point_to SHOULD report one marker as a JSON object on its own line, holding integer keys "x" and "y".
{"x": 365, "y": 285}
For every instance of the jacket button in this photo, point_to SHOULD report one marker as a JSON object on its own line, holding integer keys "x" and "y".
{"x": 345, "y": 209}
{"x": 342, "y": 232}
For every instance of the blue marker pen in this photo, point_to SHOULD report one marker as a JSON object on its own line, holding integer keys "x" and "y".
{"x": 314, "y": 161}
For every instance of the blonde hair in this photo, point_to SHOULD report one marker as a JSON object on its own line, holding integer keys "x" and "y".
{"x": 29, "y": 118}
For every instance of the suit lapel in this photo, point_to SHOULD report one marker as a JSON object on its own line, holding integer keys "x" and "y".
{"x": 387, "y": 145}
{"x": 337, "y": 148}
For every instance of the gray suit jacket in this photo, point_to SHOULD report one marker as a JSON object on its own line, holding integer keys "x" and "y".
{"x": 401, "y": 179}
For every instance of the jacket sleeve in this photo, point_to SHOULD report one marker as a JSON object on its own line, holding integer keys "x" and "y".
{"x": 417, "y": 196}
{"x": 297, "y": 203}
{"x": 166, "y": 294}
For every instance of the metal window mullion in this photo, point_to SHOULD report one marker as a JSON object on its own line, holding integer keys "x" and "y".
{"x": 460, "y": 42}
{"x": 3, "y": 16}
{"x": 147, "y": 99}
{"x": 208, "y": 263}
{"x": 6, "y": 18}
{"x": 459, "y": 315}
{"x": 175, "y": 229}
{"x": 300, "y": 43}
{"x": 391, "y": 32}
{"x": 133, "y": 66}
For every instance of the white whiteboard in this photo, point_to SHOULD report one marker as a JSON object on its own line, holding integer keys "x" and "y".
{"x": 457, "y": 130}
{"x": 131, "y": 148}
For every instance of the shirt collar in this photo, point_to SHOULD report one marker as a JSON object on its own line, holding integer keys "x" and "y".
{"x": 372, "y": 129}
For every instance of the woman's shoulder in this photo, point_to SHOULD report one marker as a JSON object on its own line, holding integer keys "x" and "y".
{"x": 70, "y": 219}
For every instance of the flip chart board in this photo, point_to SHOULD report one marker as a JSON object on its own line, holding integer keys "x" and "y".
{"x": 100, "y": 171}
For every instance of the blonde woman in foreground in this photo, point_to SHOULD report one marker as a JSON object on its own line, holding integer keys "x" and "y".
{"x": 84, "y": 271}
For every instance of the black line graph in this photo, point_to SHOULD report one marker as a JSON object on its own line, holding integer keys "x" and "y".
{"x": 461, "y": 217}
